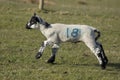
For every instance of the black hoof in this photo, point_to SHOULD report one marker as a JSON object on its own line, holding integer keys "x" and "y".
{"x": 103, "y": 65}
{"x": 38, "y": 55}
{"x": 51, "y": 60}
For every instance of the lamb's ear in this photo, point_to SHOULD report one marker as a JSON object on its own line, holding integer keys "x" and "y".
{"x": 34, "y": 14}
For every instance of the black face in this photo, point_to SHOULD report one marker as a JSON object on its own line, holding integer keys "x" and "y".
{"x": 34, "y": 19}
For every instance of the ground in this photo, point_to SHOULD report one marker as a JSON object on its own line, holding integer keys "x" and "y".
{"x": 18, "y": 46}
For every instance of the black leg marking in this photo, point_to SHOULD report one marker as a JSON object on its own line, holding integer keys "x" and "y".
{"x": 103, "y": 54}
{"x": 103, "y": 65}
{"x": 51, "y": 59}
{"x": 38, "y": 55}
{"x": 42, "y": 44}
{"x": 106, "y": 60}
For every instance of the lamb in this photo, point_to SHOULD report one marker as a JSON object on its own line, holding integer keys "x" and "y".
{"x": 58, "y": 33}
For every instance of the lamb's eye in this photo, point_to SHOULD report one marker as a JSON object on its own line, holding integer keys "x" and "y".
{"x": 32, "y": 22}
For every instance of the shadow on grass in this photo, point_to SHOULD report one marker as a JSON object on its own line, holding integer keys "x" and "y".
{"x": 74, "y": 64}
{"x": 114, "y": 65}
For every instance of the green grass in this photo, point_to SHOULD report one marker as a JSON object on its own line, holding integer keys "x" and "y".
{"x": 19, "y": 46}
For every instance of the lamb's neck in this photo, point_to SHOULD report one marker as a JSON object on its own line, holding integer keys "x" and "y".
{"x": 42, "y": 27}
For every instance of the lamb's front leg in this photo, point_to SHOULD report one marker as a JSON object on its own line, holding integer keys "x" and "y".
{"x": 54, "y": 51}
{"x": 43, "y": 45}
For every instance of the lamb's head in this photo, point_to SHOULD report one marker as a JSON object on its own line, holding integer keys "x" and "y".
{"x": 33, "y": 22}
{"x": 36, "y": 22}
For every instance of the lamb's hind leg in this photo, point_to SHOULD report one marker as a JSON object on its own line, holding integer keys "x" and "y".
{"x": 103, "y": 53}
{"x": 95, "y": 48}
{"x": 54, "y": 51}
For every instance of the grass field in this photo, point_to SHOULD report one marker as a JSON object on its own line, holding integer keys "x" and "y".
{"x": 19, "y": 46}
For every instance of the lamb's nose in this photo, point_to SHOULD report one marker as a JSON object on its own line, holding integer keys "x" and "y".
{"x": 27, "y": 26}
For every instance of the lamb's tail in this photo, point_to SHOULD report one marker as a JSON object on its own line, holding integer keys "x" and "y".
{"x": 98, "y": 33}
